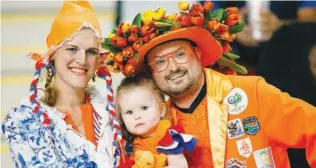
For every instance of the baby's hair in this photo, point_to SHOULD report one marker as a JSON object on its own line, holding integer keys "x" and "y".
{"x": 140, "y": 80}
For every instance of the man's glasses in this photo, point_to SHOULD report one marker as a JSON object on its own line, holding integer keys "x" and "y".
{"x": 161, "y": 63}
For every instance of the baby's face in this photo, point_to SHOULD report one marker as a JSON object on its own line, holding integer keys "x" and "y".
{"x": 141, "y": 110}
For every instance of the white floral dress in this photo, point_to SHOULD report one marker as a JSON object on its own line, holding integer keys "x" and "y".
{"x": 58, "y": 145}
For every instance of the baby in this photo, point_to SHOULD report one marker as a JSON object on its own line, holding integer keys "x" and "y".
{"x": 141, "y": 109}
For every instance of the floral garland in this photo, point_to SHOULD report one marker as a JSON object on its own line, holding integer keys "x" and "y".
{"x": 125, "y": 41}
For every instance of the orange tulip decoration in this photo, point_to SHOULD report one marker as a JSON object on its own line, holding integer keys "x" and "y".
{"x": 127, "y": 39}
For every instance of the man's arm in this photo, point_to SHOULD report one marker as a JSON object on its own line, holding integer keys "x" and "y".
{"x": 287, "y": 121}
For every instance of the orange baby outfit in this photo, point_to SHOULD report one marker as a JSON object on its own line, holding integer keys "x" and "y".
{"x": 87, "y": 119}
{"x": 150, "y": 143}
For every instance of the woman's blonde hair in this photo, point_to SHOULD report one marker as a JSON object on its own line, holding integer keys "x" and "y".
{"x": 50, "y": 94}
{"x": 140, "y": 80}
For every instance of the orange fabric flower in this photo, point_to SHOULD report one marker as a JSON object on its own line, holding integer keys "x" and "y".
{"x": 232, "y": 19}
{"x": 118, "y": 57}
{"x": 128, "y": 52}
{"x": 129, "y": 69}
{"x": 147, "y": 29}
{"x": 197, "y": 10}
{"x": 121, "y": 42}
{"x": 213, "y": 25}
{"x": 231, "y": 10}
{"x": 198, "y": 21}
{"x": 207, "y": 6}
{"x": 134, "y": 29}
{"x": 184, "y": 20}
{"x": 137, "y": 45}
{"x": 132, "y": 38}
{"x": 226, "y": 47}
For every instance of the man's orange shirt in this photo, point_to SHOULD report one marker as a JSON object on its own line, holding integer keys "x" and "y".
{"x": 258, "y": 130}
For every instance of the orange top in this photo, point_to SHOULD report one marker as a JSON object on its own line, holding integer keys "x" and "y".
{"x": 87, "y": 119}
{"x": 150, "y": 143}
{"x": 196, "y": 124}
{"x": 253, "y": 123}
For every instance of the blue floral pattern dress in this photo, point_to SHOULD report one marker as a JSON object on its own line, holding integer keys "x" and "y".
{"x": 58, "y": 145}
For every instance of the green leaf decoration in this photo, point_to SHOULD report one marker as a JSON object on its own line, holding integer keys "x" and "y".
{"x": 231, "y": 56}
{"x": 170, "y": 22}
{"x": 113, "y": 31}
{"x": 114, "y": 49}
{"x": 237, "y": 28}
{"x": 138, "y": 20}
{"x": 136, "y": 55}
{"x": 208, "y": 16}
{"x": 106, "y": 41}
{"x": 218, "y": 14}
{"x": 232, "y": 65}
{"x": 163, "y": 24}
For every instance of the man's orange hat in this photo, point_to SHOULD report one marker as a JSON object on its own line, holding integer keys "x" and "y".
{"x": 211, "y": 49}
{"x": 211, "y": 30}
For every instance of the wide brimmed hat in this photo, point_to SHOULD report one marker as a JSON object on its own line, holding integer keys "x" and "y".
{"x": 211, "y": 49}
{"x": 211, "y": 30}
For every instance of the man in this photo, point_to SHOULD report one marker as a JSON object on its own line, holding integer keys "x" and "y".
{"x": 238, "y": 120}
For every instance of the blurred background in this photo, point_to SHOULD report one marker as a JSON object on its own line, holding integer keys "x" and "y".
{"x": 25, "y": 25}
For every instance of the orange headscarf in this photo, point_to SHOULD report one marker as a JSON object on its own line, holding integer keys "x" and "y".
{"x": 72, "y": 17}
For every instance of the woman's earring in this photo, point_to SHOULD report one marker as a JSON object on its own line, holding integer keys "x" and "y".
{"x": 94, "y": 78}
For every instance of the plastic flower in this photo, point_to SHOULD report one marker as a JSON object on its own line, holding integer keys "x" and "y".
{"x": 232, "y": 19}
{"x": 118, "y": 57}
{"x": 226, "y": 47}
{"x": 213, "y": 25}
{"x": 125, "y": 27}
{"x": 184, "y": 20}
{"x": 159, "y": 14}
{"x": 132, "y": 38}
{"x": 184, "y": 6}
{"x": 137, "y": 45}
{"x": 128, "y": 52}
{"x": 197, "y": 10}
{"x": 129, "y": 69}
{"x": 207, "y": 6}
{"x": 147, "y": 17}
{"x": 121, "y": 42}
{"x": 134, "y": 29}
{"x": 198, "y": 21}
{"x": 172, "y": 17}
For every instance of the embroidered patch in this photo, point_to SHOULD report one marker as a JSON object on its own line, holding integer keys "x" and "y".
{"x": 237, "y": 101}
{"x": 251, "y": 125}
{"x": 244, "y": 147}
{"x": 264, "y": 158}
{"x": 235, "y": 163}
{"x": 234, "y": 128}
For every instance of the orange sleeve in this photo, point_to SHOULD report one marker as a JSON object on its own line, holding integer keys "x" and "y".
{"x": 287, "y": 121}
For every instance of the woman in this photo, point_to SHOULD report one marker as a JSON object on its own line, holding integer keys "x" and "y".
{"x": 72, "y": 125}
